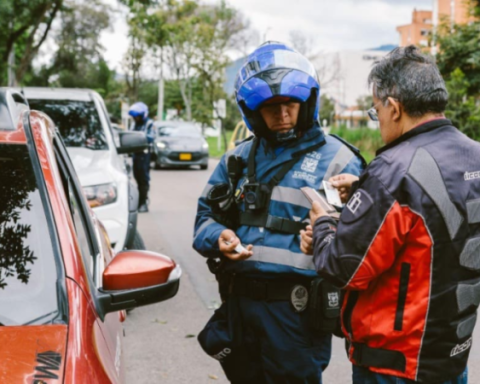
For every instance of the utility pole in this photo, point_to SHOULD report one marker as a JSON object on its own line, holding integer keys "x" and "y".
{"x": 161, "y": 86}
{"x": 12, "y": 82}
{"x": 161, "y": 90}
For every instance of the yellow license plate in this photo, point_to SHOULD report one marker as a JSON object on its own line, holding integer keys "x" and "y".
{"x": 185, "y": 156}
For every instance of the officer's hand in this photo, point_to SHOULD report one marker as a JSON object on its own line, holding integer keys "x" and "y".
{"x": 228, "y": 236}
{"x": 306, "y": 240}
{"x": 316, "y": 212}
{"x": 343, "y": 183}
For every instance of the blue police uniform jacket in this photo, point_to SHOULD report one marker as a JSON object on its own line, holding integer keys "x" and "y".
{"x": 276, "y": 253}
{"x": 148, "y": 127}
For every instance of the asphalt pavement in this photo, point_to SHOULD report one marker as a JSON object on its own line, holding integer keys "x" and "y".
{"x": 160, "y": 340}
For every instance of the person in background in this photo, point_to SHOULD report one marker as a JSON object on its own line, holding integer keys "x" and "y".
{"x": 141, "y": 161}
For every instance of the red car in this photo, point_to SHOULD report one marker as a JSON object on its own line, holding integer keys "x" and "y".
{"x": 63, "y": 293}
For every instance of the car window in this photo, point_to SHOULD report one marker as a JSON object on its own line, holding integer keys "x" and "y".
{"x": 77, "y": 121}
{"x": 28, "y": 267}
{"x": 180, "y": 131}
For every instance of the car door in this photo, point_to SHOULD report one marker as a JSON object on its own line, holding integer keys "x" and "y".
{"x": 96, "y": 253}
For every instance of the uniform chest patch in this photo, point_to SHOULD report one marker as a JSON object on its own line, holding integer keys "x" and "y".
{"x": 309, "y": 164}
{"x": 358, "y": 205}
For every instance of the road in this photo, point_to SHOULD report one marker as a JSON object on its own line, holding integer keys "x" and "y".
{"x": 160, "y": 341}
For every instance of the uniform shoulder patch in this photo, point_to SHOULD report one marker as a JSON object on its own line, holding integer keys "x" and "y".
{"x": 358, "y": 205}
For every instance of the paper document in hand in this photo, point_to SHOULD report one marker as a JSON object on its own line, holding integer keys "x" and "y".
{"x": 333, "y": 197}
{"x": 313, "y": 195}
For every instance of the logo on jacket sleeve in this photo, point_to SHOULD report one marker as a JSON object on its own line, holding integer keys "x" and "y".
{"x": 459, "y": 348}
{"x": 358, "y": 205}
{"x": 471, "y": 175}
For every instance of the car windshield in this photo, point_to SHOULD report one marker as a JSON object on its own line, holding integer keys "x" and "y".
{"x": 28, "y": 269}
{"x": 77, "y": 121}
{"x": 180, "y": 131}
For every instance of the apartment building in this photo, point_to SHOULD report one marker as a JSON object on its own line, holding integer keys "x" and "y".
{"x": 423, "y": 22}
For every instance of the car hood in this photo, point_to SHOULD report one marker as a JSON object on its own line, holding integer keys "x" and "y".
{"x": 33, "y": 353}
{"x": 183, "y": 143}
{"x": 92, "y": 167}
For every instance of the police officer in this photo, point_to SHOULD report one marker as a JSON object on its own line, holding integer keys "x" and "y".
{"x": 141, "y": 161}
{"x": 261, "y": 333}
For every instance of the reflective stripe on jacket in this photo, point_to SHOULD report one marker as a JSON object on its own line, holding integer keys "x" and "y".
{"x": 407, "y": 250}
{"x": 275, "y": 252}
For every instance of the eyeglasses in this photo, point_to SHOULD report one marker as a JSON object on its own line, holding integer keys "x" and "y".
{"x": 372, "y": 112}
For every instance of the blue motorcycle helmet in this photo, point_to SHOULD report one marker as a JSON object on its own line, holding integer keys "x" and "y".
{"x": 138, "y": 109}
{"x": 272, "y": 72}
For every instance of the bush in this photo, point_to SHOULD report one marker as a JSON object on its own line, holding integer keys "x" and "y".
{"x": 365, "y": 139}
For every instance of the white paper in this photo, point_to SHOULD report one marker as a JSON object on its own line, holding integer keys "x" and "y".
{"x": 332, "y": 195}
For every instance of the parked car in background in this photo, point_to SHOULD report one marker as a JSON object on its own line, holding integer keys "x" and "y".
{"x": 240, "y": 133}
{"x": 179, "y": 144}
{"x": 94, "y": 147}
{"x": 63, "y": 291}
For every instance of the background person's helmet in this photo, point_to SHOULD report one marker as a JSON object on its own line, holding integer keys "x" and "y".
{"x": 138, "y": 109}
{"x": 272, "y": 70}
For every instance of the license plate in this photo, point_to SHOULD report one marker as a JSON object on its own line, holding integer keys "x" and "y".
{"x": 185, "y": 156}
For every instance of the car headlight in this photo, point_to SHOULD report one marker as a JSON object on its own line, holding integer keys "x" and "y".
{"x": 102, "y": 194}
{"x": 161, "y": 145}
{"x": 205, "y": 146}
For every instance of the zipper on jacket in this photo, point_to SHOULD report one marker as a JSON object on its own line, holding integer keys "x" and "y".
{"x": 402, "y": 296}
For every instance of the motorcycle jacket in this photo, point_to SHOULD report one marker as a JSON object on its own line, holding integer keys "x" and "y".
{"x": 406, "y": 250}
{"x": 274, "y": 252}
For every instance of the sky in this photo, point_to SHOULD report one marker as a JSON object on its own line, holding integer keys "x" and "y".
{"x": 332, "y": 25}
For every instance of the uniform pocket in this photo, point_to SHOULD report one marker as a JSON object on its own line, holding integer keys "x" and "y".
{"x": 402, "y": 296}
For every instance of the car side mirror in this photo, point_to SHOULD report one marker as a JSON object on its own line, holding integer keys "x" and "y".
{"x": 137, "y": 278}
{"x": 132, "y": 142}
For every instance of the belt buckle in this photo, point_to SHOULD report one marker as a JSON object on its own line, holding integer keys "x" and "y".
{"x": 258, "y": 290}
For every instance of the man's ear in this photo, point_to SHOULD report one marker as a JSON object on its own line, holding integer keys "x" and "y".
{"x": 396, "y": 109}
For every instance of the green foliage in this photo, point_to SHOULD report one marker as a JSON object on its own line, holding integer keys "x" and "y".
{"x": 24, "y": 26}
{"x": 460, "y": 49}
{"x": 459, "y": 62}
{"x": 367, "y": 140}
{"x": 327, "y": 109}
{"x": 463, "y": 110}
{"x": 213, "y": 145}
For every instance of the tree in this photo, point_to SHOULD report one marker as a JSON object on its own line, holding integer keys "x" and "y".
{"x": 24, "y": 27}
{"x": 460, "y": 50}
{"x": 459, "y": 62}
{"x": 462, "y": 109}
{"x": 327, "y": 109}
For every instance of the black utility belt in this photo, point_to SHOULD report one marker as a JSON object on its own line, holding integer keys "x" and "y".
{"x": 321, "y": 299}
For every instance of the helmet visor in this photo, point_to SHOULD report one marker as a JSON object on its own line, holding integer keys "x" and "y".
{"x": 276, "y": 59}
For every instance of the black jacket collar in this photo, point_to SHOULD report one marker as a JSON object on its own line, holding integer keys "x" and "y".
{"x": 426, "y": 127}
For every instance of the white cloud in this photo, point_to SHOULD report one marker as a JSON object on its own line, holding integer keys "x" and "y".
{"x": 334, "y": 24}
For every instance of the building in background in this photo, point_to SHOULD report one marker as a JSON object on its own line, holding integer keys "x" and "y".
{"x": 424, "y": 22}
{"x": 343, "y": 75}
{"x": 418, "y": 30}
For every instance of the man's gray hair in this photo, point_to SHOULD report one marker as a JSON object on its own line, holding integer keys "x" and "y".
{"x": 412, "y": 78}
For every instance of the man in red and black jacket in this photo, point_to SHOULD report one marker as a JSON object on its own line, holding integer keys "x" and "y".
{"x": 406, "y": 248}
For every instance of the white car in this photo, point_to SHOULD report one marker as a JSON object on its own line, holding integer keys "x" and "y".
{"x": 94, "y": 148}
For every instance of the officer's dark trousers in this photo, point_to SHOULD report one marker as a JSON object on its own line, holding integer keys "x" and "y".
{"x": 282, "y": 349}
{"x": 141, "y": 172}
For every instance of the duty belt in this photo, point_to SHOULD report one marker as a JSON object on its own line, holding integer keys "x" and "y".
{"x": 267, "y": 290}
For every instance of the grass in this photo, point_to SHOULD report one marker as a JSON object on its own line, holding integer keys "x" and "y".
{"x": 365, "y": 139}
{"x": 212, "y": 145}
